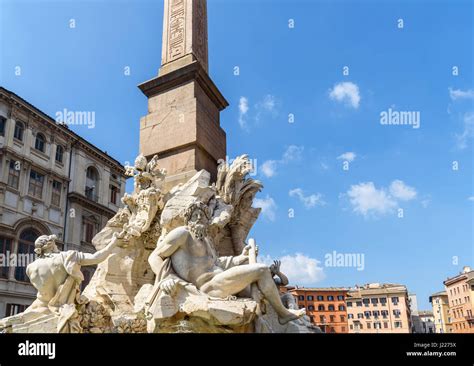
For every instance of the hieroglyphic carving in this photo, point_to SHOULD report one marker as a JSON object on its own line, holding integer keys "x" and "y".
{"x": 177, "y": 29}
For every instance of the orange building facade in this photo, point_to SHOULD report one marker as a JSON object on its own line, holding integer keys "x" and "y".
{"x": 326, "y": 307}
{"x": 460, "y": 291}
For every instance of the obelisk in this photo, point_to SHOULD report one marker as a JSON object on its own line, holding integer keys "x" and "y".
{"x": 182, "y": 125}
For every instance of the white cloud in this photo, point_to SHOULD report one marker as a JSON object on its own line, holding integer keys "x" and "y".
{"x": 266, "y": 106}
{"x": 456, "y": 94}
{"x": 268, "y": 207}
{"x": 368, "y": 200}
{"x": 308, "y": 201}
{"x": 324, "y": 166}
{"x": 400, "y": 190}
{"x": 292, "y": 153}
{"x": 299, "y": 268}
{"x": 347, "y": 156}
{"x": 268, "y": 103}
{"x": 468, "y": 133}
{"x": 471, "y": 198}
{"x": 243, "y": 110}
{"x": 426, "y": 202}
{"x": 268, "y": 168}
{"x": 346, "y": 92}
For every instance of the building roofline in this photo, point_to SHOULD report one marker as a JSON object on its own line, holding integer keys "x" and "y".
{"x": 457, "y": 278}
{"x": 67, "y": 130}
{"x": 319, "y": 289}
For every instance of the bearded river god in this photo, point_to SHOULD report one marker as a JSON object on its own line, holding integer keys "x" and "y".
{"x": 194, "y": 259}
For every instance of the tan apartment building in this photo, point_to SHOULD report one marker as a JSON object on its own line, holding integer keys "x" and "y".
{"x": 460, "y": 291}
{"x": 441, "y": 314}
{"x": 52, "y": 181}
{"x": 378, "y": 308}
{"x": 326, "y": 307}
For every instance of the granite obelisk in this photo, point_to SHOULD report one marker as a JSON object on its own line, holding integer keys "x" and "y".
{"x": 183, "y": 125}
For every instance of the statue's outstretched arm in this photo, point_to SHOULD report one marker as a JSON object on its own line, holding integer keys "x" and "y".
{"x": 171, "y": 243}
{"x": 88, "y": 259}
{"x": 283, "y": 279}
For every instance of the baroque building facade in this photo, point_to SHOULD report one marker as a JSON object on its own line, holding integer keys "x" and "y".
{"x": 379, "y": 308}
{"x": 460, "y": 293}
{"x": 52, "y": 181}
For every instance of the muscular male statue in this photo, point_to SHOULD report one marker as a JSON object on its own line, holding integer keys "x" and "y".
{"x": 194, "y": 259}
{"x": 57, "y": 276}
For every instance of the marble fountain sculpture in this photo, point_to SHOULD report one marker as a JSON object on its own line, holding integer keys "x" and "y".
{"x": 169, "y": 261}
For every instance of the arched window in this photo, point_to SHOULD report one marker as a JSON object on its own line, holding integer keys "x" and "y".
{"x": 59, "y": 153}
{"x": 40, "y": 142}
{"x": 331, "y": 307}
{"x": 26, "y": 249}
{"x": 19, "y": 130}
{"x": 92, "y": 181}
{"x": 321, "y": 307}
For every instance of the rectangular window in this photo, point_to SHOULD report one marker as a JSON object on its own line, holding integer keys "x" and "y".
{"x": 383, "y": 301}
{"x": 13, "y": 309}
{"x": 113, "y": 194}
{"x": 332, "y": 318}
{"x": 310, "y": 298}
{"x": 3, "y": 122}
{"x": 366, "y": 302}
{"x": 56, "y": 194}
{"x": 359, "y": 303}
{"x": 320, "y": 298}
{"x": 395, "y": 300}
{"x": 14, "y": 174}
{"x": 35, "y": 188}
{"x": 349, "y": 304}
{"x": 19, "y": 129}
{"x": 5, "y": 250}
{"x": 374, "y": 301}
{"x": 89, "y": 232}
{"x": 330, "y": 298}
{"x": 340, "y": 297}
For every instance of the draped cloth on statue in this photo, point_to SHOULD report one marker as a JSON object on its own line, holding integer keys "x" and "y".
{"x": 63, "y": 304}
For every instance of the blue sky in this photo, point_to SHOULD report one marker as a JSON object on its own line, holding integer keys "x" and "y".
{"x": 290, "y": 57}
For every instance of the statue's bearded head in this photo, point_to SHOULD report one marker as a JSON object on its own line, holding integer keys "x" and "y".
{"x": 46, "y": 244}
{"x": 196, "y": 218}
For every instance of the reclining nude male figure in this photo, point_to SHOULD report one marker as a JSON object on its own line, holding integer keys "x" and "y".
{"x": 194, "y": 259}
